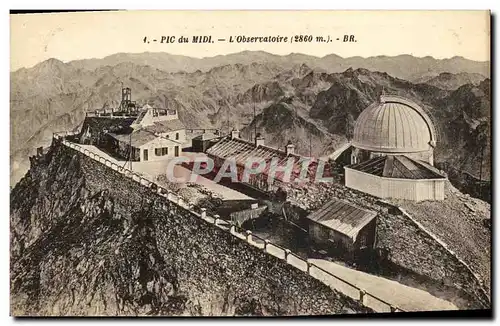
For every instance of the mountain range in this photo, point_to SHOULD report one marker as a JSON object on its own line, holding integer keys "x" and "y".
{"x": 308, "y": 100}
{"x": 402, "y": 66}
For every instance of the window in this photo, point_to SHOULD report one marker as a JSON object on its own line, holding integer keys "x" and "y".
{"x": 362, "y": 242}
{"x": 177, "y": 136}
{"x": 161, "y": 151}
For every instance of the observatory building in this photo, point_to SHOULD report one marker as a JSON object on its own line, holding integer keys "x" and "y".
{"x": 392, "y": 153}
{"x": 393, "y": 126}
{"x": 134, "y": 133}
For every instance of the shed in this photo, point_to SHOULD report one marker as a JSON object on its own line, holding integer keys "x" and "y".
{"x": 342, "y": 227}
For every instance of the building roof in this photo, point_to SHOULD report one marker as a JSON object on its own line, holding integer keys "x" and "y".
{"x": 149, "y": 115}
{"x": 394, "y": 125}
{"x": 140, "y": 116}
{"x": 241, "y": 150}
{"x": 343, "y": 217}
{"x": 207, "y": 136}
{"x": 398, "y": 166}
{"x": 335, "y": 155}
{"x": 165, "y": 126}
{"x": 137, "y": 138}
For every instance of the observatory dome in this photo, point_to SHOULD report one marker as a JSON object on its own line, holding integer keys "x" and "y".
{"x": 394, "y": 125}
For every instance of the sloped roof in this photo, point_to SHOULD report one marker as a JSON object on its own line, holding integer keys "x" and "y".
{"x": 339, "y": 151}
{"x": 343, "y": 217}
{"x": 241, "y": 150}
{"x": 207, "y": 136}
{"x": 397, "y": 166}
{"x": 136, "y": 138}
{"x": 141, "y": 115}
{"x": 166, "y": 126}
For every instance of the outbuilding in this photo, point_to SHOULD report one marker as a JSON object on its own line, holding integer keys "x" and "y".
{"x": 342, "y": 228}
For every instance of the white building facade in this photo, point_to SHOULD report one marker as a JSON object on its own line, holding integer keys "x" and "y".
{"x": 156, "y": 134}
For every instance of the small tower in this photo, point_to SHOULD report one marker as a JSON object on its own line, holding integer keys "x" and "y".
{"x": 259, "y": 140}
{"x": 126, "y": 99}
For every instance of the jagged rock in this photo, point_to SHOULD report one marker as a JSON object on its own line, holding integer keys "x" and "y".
{"x": 150, "y": 286}
{"x": 470, "y": 207}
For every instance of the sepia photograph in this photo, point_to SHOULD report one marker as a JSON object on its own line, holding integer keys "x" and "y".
{"x": 250, "y": 163}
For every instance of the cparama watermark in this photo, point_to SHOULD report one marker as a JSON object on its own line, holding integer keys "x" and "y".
{"x": 289, "y": 170}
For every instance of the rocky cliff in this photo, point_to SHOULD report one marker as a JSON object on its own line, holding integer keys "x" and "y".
{"x": 85, "y": 240}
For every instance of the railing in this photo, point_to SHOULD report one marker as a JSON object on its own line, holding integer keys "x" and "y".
{"x": 126, "y": 172}
{"x": 321, "y": 274}
{"x": 204, "y": 130}
{"x": 109, "y": 115}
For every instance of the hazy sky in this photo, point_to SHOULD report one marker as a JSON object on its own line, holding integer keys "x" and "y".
{"x": 70, "y": 36}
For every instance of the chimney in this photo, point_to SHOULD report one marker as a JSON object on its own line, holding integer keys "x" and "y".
{"x": 290, "y": 148}
{"x": 382, "y": 96}
{"x": 259, "y": 140}
{"x": 235, "y": 133}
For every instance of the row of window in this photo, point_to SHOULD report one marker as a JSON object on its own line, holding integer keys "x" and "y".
{"x": 161, "y": 151}
{"x": 164, "y": 151}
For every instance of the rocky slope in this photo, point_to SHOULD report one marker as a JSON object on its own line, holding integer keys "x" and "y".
{"x": 87, "y": 241}
{"x": 449, "y": 81}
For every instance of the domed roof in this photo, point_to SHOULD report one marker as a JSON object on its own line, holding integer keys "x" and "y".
{"x": 394, "y": 125}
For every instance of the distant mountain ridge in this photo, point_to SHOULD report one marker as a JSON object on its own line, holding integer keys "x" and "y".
{"x": 402, "y": 66}
{"x": 446, "y": 80}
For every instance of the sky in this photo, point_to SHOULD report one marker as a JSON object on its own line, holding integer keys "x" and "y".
{"x": 72, "y": 36}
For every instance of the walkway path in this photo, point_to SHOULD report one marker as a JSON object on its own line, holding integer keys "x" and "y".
{"x": 151, "y": 169}
{"x": 394, "y": 293}
{"x": 399, "y": 295}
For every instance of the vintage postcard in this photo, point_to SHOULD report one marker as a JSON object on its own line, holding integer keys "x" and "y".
{"x": 250, "y": 163}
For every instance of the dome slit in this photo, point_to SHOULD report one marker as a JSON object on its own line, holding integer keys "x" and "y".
{"x": 378, "y": 131}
